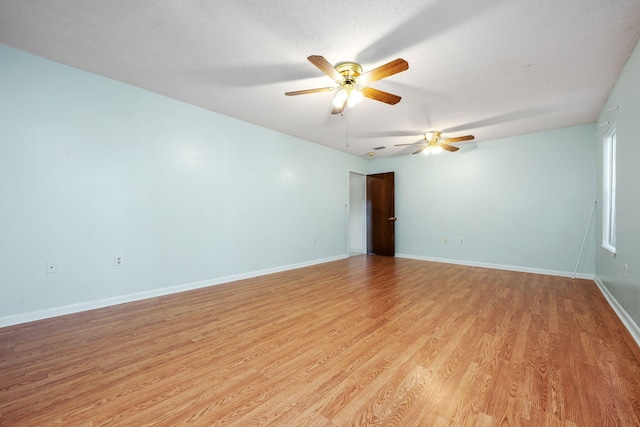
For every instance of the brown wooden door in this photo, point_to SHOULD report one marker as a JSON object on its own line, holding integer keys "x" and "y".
{"x": 381, "y": 214}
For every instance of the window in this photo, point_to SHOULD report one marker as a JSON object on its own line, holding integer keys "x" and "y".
{"x": 609, "y": 190}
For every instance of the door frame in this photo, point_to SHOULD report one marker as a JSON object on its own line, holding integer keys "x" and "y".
{"x": 357, "y": 208}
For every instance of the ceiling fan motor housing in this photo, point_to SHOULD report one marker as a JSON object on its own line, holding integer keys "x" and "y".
{"x": 350, "y": 71}
{"x": 432, "y": 137}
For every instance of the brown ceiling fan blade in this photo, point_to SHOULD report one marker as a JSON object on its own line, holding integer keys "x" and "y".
{"x": 303, "y": 92}
{"x": 339, "y": 110}
{"x": 378, "y": 95}
{"x": 448, "y": 147}
{"x": 421, "y": 149}
{"x": 459, "y": 139}
{"x": 383, "y": 71}
{"x": 326, "y": 67}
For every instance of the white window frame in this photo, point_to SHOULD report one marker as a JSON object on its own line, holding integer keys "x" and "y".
{"x": 609, "y": 190}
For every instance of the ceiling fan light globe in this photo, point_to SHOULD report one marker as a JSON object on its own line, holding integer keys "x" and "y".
{"x": 340, "y": 98}
{"x": 432, "y": 150}
{"x": 355, "y": 96}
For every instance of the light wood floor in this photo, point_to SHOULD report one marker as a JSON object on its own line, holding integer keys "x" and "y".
{"x": 363, "y": 341}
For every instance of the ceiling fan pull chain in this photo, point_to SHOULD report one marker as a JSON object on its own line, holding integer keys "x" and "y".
{"x": 347, "y": 128}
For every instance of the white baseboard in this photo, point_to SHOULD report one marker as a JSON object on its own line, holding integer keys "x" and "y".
{"x": 500, "y": 266}
{"x": 91, "y": 305}
{"x": 628, "y": 322}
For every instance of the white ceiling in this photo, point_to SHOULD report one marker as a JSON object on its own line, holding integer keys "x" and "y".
{"x": 491, "y": 68}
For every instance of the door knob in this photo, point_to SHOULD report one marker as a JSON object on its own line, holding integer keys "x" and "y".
{"x": 392, "y": 218}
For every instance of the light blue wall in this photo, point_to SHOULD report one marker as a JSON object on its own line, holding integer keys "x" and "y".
{"x": 521, "y": 202}
{"x": 91, "y": 168}
{"x": 610, "y": 269}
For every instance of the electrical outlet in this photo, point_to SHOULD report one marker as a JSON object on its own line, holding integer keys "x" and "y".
{"x": 462, "y": 240}
{"x": 119, "y": 260}
{"x": 315, "y": 240}
{"x": 445, "y": 240}
{"x": 626, "y": 267}
{"x": 51, "y": 267}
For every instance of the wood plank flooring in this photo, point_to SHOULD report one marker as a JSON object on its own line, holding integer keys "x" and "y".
{"x": 362, "y": 341}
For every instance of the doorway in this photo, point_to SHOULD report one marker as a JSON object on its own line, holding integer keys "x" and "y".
{"x": 371, "y": 214}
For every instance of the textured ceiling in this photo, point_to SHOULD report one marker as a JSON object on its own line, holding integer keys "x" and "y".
{"x": 492, "y": 68}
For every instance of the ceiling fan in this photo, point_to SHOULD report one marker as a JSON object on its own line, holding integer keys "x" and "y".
{"x": 352, "y": 83}
{"x": 433, "y": 144}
